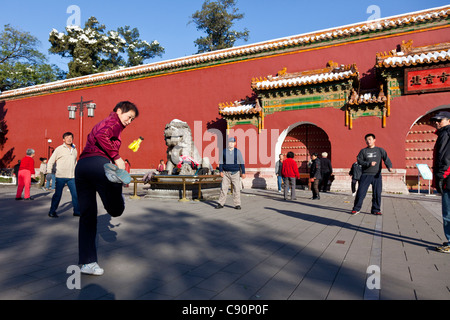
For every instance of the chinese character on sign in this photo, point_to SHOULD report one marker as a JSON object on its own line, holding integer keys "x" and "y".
{"x": 426, "y": 79}
{"x": 443, "y": 77}
{"x": 415, "y": 81}
{"x": 429, "y": 79}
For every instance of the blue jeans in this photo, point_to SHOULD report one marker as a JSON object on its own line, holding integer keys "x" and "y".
{"x": 50, "y": 176}
{"x": 60, "y": 183}
{"x": 280, "y": 181}
{"x": 446, "y": 213}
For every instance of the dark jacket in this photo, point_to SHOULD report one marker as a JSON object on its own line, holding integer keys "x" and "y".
{"x": 441, "y": 160}
{"x": 232, "y": 161}
{"x": 376, "y": 154}
{"x": 356, "y": 171}
{"x": 314, "y": 170}
{"x": 325, "y": 165}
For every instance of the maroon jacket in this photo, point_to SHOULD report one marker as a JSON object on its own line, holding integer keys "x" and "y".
{"x": 104, "y": 139}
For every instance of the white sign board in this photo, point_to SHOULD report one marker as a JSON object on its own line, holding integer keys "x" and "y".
{"x": 424, "y": 171}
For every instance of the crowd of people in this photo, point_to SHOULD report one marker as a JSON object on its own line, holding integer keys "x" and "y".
{"x": 101, "y": 170}
{"x": 365, "y": 172}
{"x": 287, "y": 172}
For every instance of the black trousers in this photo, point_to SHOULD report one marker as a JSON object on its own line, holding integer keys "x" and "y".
{"x": 89, "y": 179}
{"x": 323, "y": 186}
{"x": 364, "y": 184}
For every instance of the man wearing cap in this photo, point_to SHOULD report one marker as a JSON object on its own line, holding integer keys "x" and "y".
{"x": 231, "y": 168}
{"x": 441, "y": 170}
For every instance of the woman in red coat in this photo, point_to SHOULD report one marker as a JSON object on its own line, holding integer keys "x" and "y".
{"x": 290, "y": 173}
{"x": 26, "y": 172}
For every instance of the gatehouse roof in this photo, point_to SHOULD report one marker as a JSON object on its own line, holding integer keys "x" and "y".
{"x": 333, "y": 72}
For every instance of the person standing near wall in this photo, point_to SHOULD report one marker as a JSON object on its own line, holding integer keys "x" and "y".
{"x": 65, "y": 158}
{"x": 278, "y": 169}
{"x": 42, "y": 171}
{"x": 326, "y": 170}
{"x": 290, "y": 173}
{"x": 231, "y": 168}
{"x": 315, "y": 175}
{"x": 441, "y": 171}
{"x": 370, "y": 159}
{"x": 25, "y": 174}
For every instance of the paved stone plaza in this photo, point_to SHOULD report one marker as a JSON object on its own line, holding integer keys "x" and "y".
{"x": 270, "y": 250}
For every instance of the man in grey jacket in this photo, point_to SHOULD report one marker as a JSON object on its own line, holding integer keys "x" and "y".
{"x": 370, "y": 159}
{"x": 278, "y": 168}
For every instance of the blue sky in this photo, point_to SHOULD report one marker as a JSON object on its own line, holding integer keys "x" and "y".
{"x": 167, "y": 21}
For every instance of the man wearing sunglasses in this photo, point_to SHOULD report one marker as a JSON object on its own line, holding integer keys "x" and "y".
{"x": 441, "y": 170}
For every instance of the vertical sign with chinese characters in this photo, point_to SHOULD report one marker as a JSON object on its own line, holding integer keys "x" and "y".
{"x": 427, "y": 80}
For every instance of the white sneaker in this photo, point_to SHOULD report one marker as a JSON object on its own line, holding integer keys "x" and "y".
{"x": 92, "y": 268}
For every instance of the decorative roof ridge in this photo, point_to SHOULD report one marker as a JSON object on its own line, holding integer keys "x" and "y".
{"x": 409, "y": 55}
{"x": 240, "y": 107}
{"x": 250, "y": 49}
{"x": 333, "y": 72}
{"x": 332, "y": 67}
{"x": 406, "y": 48}
{"x": 367, "y": 96}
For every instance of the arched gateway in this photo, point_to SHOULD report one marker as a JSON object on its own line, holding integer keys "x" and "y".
{"x": 419, "y": 147}
{"x": 303, "y": 140}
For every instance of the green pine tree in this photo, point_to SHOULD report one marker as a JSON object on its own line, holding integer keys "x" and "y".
{"x": 93, "y": 49}
{"x": 216, "y": 19}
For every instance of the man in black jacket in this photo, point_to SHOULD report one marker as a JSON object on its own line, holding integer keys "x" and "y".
{"x": 441, "y": 170}
{"x": 315, "y": 175}
{"x": 326, "y": 170}
{"x": 370, "y": 159}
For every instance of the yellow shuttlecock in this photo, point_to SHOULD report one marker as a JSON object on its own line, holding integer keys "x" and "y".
{"x": 134, "y": 146}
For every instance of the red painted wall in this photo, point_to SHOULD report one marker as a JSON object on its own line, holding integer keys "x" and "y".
{"x": 194, "y": 96}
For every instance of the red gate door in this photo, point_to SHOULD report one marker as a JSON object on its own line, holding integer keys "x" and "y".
{"x": 304, "y": 140}
{"x": 419, "y": 149}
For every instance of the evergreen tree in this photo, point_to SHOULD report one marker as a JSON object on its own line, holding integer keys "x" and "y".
{"x": 94, "y": 50}
{"x": 138, "y": 51}
{"x": 216, "y": 19}
{"x": 21, "y": 63}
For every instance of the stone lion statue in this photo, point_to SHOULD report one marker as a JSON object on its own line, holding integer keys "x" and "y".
{"x": 180, "y": 145}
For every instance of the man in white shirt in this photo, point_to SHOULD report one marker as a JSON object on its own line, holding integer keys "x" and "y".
{"x": 65, "y": 157}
